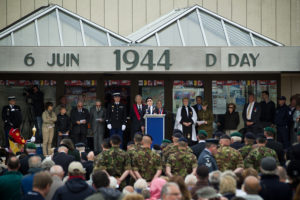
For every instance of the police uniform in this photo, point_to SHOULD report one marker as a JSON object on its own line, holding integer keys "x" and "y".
{"x": 116, "y": 118}
{"x": 12, "y": 118}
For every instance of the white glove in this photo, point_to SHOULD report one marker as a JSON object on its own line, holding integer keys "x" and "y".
{"x": 123, "y": 127}
{"x": 32, "y": 139}
{"x": 109, "y": 126}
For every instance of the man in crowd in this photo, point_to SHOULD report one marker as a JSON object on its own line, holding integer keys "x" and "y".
{"x": 98, "y": 116}
{"x": 227, "y": 157}
{"x": 236, "y": 140}
{"x": 159, "y": 109}
{"x": 269, "y": 133}
{"x": 251, "y": 115}
{"x": 249, "y": 142}
{"x": 206, "y": 157}
{"x": 30, "y": 150}
{"x": 62, "y": 158}
{"x": 10, "y": 181}
{"x": 116, "y": 117}
{"x": 11, "y": 116}
{"x": 170, "y": 191}
{"x": 79, "y": 118}
{"x": 198, "y": 148}
{"x": 251, "y": 187}
{"x": 267, "y": 110}
{"x": 202, "y": 180}
{"x": 137, "y": 112}
{"x": 57, "y": 174}
{"x": 63, "y": 125}
{"x": 282, "y": 122}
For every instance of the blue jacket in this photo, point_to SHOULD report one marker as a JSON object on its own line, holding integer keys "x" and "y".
{"x": 282, "y": 116}
{"x": 27, "y": 181}
{"x": 207, "y": 159}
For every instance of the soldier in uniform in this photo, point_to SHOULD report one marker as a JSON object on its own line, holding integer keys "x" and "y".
{"x": 116, "y": 117}
{"x": 249, "y": 142}
{"x": 146, "y": 163}
{"x": 11, "y": 116}
{"x": 115, "y": 161}
{"x": 182, "y": 162}
{"x": 206, "y": 157}
{"x": 269, "y": 133}
{"x": 236, "y": 140}
{"x": 257, "y": 154}
{"x": 198, "y": 148}
{"x": 136, "y": 146}
{"x": 227, "y": 157}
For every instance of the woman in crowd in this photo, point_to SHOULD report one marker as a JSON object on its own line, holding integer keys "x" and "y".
{"x": 231, "y": 119}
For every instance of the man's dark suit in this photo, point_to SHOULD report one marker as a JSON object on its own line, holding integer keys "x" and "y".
{"x": 255, "y": 118}
{"x": 198, "y": 148}
{"x": 135, "y": 123}
{"x": 63, "y": 159}
{"x": 79, "y": 131}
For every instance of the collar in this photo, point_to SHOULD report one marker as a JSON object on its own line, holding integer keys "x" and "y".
{"x": 270, "y": 138}
{"x": 73, "y": 177}
{"x": 201, "y": 141}
{"x": 208, "y": 151}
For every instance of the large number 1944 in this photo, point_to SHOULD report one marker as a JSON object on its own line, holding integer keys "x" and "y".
{"x": 132, "y": 58}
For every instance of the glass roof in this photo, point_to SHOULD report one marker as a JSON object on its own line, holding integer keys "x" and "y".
{"x": 196, "y": 26}
{"x": 56, "y": 26}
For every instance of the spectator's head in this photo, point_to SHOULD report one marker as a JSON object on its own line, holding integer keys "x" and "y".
{"x": 63, "y": 110}
{"x": 47, "y": 164}
{"x": 30, "y": 148}
{"x": 281, "y": 100}
{"x": 156, "y": 187}
{"x": 268, "y": 166}
{"x": 35, "y": 162}
{"x": 190, "y": 180}
{"x": 128, "y": 190}
{"x": 140, "y": 185}
{"x": 249, "y": 138}
{"x": 265, "y": 95}
{"x": 199, "y": 100}
{"x": 269, "y": 132}
{"x": 80, "y": 147}
{"x": 149, "y": 101}
{"x": 145, "y": 193}
{"x": 225, "y": 140}
{"x": 202, "y": 172}
{"x": 214, "y": 179}
{"x": 147, "y": 141}
{"x": 79, "y": 105}
{"x": 35, "y": 88}
{"x": 206, "y": 193}
{"x": 113, "y": 183}
{"x": 13, "y": 163}
{"x": 261, "y": 140}
{"x": 69, "y": 144}
{"x": 76, "y": 169}
{"x": 281, "y": 172}
{"x": 227, "y": 185}
{"x": 90, "y": 156}
{"x": 98, "y": 103}
{"x": 236, "y": 137}
{"x": 251, "y": 185}
{"x": 115, "y": 140}
{"x": 133, "y": 196}
{"x": 182, "y": 186}
{"x": 138, "y": 99}
{"x": 185, "y": 101}
{"x": 42, "y": 182}
{"x": 138, "y": 137}
{"x": 231, "y": 107}
{"x": 158, "y": 104}
{"x": 100, "y": 179}
{"x": 176, "y": 135}
{"x": 49, "y": 106}
{"x": 105, "y": 144}
{"x": 251, "y": 97}
{"x": 249, "y": 172}
{"x": 212, "y": 147}
{"x": 63, "y": 149}
{"x": 170, "y": 191}
{"x": 57, "y": 170}
{"x": 202, "y": 135}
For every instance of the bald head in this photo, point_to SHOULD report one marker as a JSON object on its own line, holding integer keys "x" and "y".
{"x": 57, "y": 170}
{"x": 35, "y": 162}
{"x": 90, "y": 156}
{"x": 63, "y": 149}
{"x": 251, "y": 185}
{"x": 146, "y": 141}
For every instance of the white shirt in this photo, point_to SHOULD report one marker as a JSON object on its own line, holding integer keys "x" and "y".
{"x": 249, "y": 110}
{"x": 187, "y": 111}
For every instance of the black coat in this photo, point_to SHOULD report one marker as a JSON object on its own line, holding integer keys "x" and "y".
{"x": 37, "y": 103}
{"x": 267, "y": 111}
{"x": 231, "y": 120}
{"x": 12, "y": 117}
{"x": 63, "y": 160}
{"x": 135, "y": 123}
{"x": 116, "y": 115}
{"x": 255, "y": 115}
{"x": 63, "y": 123}
{"x": 24, "y": 166}
{"x": 282, "y": 116}
{"x": 276, "y": 146}
{"x": 74, "y": 189}
{"x": 88, "y": 166}
{"x": 198, "y": 148}
{"x": 272, "y": 189}
{"x": 77, "y": 116}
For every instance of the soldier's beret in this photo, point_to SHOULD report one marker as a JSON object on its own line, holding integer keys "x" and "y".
{"x": 11, "y": 98}
{"x": 212, "y": 140}
{"x": 268, "y": 163}
{"x": 80, "y": 144}
{"x": 250, "y": 135}
{"x": 298, "y": 133}
{"x": 166, "y": 141}
{"x": 225, "y": 137}
{"x": 116, "y": 94}
{"x": 237, "y": 134}
{"x": 183, "y": 139}
{"x": 202, "y": 132}
{"x": 269, "y": 129}
{"x": 30, "y": 146}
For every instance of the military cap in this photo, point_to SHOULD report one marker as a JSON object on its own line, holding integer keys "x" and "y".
{"x": 177, "y": 133}
{"x": 166, "y": 141}
{"x": 30, "y": 146}
{"x": 212, "y": 140}
{"x": 268, "y": 163}
{"x": 225, "y": 137}
{"x": 116, "y": 94}
{"x": 202, "y": 132}
{"x": 237, "y": 134}
{"x": 183, "y": 139}
{"x": 64, "y": 145}
{"x": 11, "y": 98}
{"x": 80, "y": 144}
{"x": 250, "y": 135}
{"x": 282, "y": 98}
{"x": 269, "y": 129}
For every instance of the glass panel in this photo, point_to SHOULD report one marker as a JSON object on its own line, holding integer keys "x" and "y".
{"x": 261, "y": 42}
{"x": 267, "y": 85}
{"x": 237, "y": 37}
{"x": 26, "y": 36}
{"x": 170, "y": 36}
{"x": 93, "y": 36}
{"x": 191, "y": 30}
{"x": 84, "y": 90}
{"x": 150, "y": 41}
{"x": 71, "y": 32}
{"x": 152, "y": 88}
{"x": 188, "y": 88}
{"x": 116, "y": 42}
{"x": 213, "y": 30}
{"x": 48, "y": 30}
{"x": 6, "y": 41}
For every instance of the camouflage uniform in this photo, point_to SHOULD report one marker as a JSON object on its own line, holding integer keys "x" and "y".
{"x": 256, "y": 155}
{"x": 132, "y": 151}
{"x": 171, "y": 149}
{"x": 182, "y": 162}
{"x": 146, "y": 162}
{"x": 245, "y": 150}
{"x": 228, "y": 158}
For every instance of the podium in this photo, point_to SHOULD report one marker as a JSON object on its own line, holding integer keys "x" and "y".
{"x": 155, "y": 126}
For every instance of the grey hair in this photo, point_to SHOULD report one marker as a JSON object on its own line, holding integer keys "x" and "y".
{"x": 165, "y": 188}
{"x": 214, "y": 177}
{"x": 35, "y": 162}
{"x": 56, "y": 170}
{"x": 47, "y": 164}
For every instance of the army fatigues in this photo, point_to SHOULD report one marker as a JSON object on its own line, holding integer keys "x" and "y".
{"x": 182, "y": 163}
{"x": 132, "y": 151}
{"x": 256, "y": 155}
{"x": 146, "y": 162}
{"x": 245, "y": 150}
{"x": 171, "y": 149}
{"x": 228, "y": 158}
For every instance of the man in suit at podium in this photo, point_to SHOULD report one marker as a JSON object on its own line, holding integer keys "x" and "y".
{"x": 137, "y": 112}
{"x": 251, "y": 115}
{"x": 116, "y": 117}
{"x": 159, "y": 108}
{"x": 150, "y": 108}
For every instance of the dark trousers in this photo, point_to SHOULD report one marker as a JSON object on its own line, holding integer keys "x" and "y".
{"x": 6, "y": 131}
{"x": 119, "y": 132}
{"x": 283, "y": 136}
